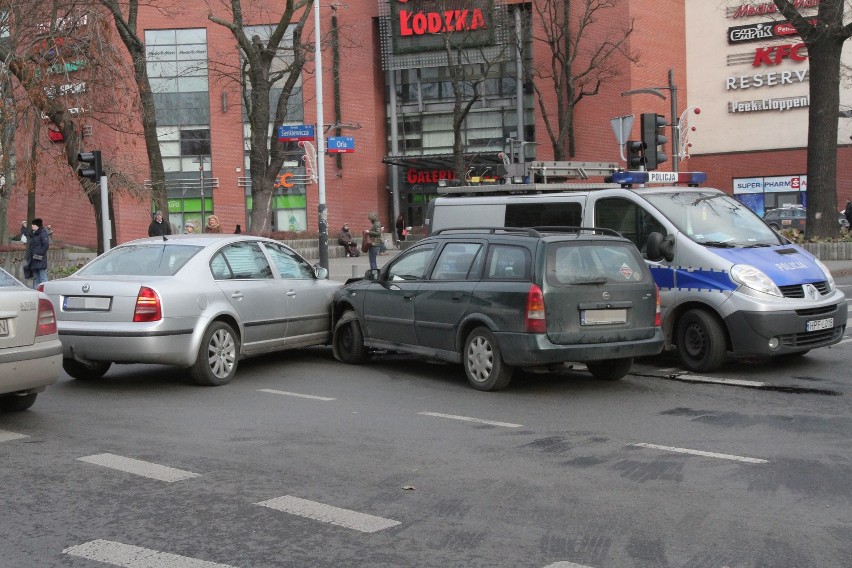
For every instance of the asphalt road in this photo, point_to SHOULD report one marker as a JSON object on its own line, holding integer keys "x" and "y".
{"x": 306, "y": 462}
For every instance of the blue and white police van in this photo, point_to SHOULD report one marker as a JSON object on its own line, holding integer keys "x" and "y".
{"x": 729, "y": 284}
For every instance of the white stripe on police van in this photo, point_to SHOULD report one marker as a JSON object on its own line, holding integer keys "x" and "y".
{"x": 273, "y": 391}
{"x": 139, "y": 467}
{"x": 700, "y": 453}
{"x": 328, "y": 514}
{"x": 129, "y": 556}
{"x": 734, "y": 382}
{"x": 6, "y": 436}
{"x": 469, "y": 419}
{"x": 566, "y": 565}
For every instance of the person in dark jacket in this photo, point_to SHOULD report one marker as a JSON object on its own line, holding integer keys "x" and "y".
{"x": 37, "y": 246}
{"x": 344, "y": 239}
{"x": 158, "y": 227}
{"x": 848, "y": 213}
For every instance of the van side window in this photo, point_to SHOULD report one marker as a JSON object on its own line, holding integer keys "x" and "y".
{"x": 543, "y": 214}
{"x": 627, "y": 218}
{"x": 508, "y": 263}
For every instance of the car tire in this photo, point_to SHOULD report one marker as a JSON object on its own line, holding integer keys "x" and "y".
{"x": 218, "y": 356}
{"x": 85, "y": 371}
{"x": 17, "y": 402}
{"x": 610, "y": 370}
{"x": 701, "y": 342}
{"x": 348, "y": 340}
{"x": 483, "y": 363}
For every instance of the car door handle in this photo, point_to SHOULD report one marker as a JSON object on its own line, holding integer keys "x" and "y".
{"x": 408, "y": 295}
{"x": 237, "y": 295}
{"x": 291, "y": 293}
{"x": 456, "y": 297}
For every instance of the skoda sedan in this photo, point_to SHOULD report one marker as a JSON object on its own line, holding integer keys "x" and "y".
{"x": 201, "y": 302}
{"x": 30, "y": 352}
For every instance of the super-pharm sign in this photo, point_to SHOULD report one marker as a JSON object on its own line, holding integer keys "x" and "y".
{"x": 419, "y": 25}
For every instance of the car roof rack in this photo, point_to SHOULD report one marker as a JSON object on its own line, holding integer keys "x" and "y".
{"x": 531, "y": 231}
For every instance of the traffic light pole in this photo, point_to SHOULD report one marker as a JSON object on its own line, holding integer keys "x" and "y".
{"x": 105, "y": 224}
{"x": 672, "y": 88}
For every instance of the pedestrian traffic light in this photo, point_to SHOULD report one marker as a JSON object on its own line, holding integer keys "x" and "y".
{"x": 89, "y": 165}
{"x": 635, "y": 154}
{"x": 652, "y": 137}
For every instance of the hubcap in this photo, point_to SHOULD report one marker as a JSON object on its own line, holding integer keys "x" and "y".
{"x": 221, "y": 353}
{"x": 480, "y": 359}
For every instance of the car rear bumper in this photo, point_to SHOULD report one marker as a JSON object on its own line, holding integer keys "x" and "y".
{"x": 31, "y": 367}
{"x": 529, "y": 349}
{"x": 163, "y": 348}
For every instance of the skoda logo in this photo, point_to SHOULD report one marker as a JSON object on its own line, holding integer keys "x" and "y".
{"x": 605, "y": 295}
{"x": 811, "y": 291}
{"x": 86, "y": 288}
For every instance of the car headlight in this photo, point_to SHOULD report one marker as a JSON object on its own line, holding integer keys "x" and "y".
{"x": 755, "y": 279}
{"x": 828, "y": 275}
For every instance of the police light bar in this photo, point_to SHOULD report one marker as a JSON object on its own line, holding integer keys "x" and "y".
{"x": 638, "y": 177}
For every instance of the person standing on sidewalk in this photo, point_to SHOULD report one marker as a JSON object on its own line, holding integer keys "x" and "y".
{"x": 848, "y": 213}
{"x": 375, "y": 235}
{"x": 37, "y": 247}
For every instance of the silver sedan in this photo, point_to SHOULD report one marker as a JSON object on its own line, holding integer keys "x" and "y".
{"x": 30, "y": 352}
{"x": 200, "y": 302}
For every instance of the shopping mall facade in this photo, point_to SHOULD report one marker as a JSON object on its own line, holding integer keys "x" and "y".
{"x": 387, "y": 91}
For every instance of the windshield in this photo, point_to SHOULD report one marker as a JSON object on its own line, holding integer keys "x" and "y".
{"x": 141, "y": 260}
{"x": 714, "y": 219}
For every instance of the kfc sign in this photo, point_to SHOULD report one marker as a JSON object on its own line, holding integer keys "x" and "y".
{"x": 778, "y": 53}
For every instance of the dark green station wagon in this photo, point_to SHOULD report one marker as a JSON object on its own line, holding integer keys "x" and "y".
{"x": 496, "y": 299}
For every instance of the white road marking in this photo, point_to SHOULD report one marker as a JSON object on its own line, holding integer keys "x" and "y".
{"x": 273, "y": 391}
{"x": 566, "y": 565}
{"x": 6, "y": 436}
{"x": 129, "y": 556}
{"x": 700, "y": 453}
{"x": 734, "y": 382}
{"x": 469, "y": 419}
{"x": 139, "y": 467}
{"x": 328, "y": 514}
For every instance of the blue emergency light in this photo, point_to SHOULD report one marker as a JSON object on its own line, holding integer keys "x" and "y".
{"x": 643, "y": 177}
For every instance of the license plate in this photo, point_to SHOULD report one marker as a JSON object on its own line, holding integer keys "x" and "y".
{"x": 4, "y": 327}
{"x": 603, "y": 317}
{"x": 86, "y": 303}
{"x": 817, "y": 325}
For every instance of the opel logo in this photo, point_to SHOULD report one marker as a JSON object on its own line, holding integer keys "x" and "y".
{"x": 86, "y": 288}
{"x": 605, "y": 295}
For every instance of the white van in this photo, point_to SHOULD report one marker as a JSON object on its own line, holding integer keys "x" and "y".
{"x": 728, "y": 282}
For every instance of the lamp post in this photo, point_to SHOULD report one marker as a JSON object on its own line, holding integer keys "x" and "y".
{"x": 321, "y": 208}
{"x": 672, "y": 88}
{"x": 200, "y": 160}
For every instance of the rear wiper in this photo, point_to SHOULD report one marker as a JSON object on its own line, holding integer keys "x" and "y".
{"x": 717, "y": 244}
{"x": 598, "y": 280}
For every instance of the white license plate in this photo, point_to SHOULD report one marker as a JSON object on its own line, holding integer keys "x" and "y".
{"x": 4, "y": 327}
{"x": 603, "y": 317}
{"x": 86, "y": 303}
{"x": 817, "y": 325}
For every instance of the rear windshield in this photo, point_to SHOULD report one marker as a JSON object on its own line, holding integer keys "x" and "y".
{"x": 141, "y": 260}
{"x": 7, "y": 280}
{"x": 594, "y": 263}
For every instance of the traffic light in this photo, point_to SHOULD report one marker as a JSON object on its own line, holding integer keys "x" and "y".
{"x": 653, "y": 139}
{"x": 635, "y": 154}
{"x": 89, "y": 165}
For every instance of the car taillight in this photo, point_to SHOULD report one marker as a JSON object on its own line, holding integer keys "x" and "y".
{"x": 46, "y": 318}
{"x": 40, "y": 287}
{"x": 534, "y": 321}
{"x": 147, "y": 306}
{"x": 658, "y": 321}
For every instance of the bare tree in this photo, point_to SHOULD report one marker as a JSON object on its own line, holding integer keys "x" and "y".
{"x": 580, "y": 62}
{"x": 824, "y": 39}
{"x": 8, "y": 122}
{"x": 263, "y": 68}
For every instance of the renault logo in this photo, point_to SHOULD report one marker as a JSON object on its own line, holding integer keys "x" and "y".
{"x": 86, "y": 288}
{"x": 811, "y": 292}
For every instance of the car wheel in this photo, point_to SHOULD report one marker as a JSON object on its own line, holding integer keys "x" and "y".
{"x": 217, "y": 356}
{"x": 482, "y": 362}
{"x": 17, "y": 402}
{"x": 610, "y": 370}
{"x": 700, "y": 341}
{"x": 85, "y": 371}
{"x": 348, "y": 341}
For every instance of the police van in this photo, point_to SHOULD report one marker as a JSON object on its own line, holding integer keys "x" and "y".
{"x": 728, "y": 282}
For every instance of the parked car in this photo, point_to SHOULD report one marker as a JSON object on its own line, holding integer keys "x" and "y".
{"x": 794, "y": 218}
{"x": 497, "y": 299}
{"x": 197, "y": 301}
{"x": 30, "y": 351}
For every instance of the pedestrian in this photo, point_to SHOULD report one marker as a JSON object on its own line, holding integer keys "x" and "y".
{"x": 25, "y": 232}
{"x": 238, "y": 230}
{"x": 375, "y": 236}
{"x": 37, "y": 253}
{"x": 213, "y": 225}
{"x": 159, "y": 228}
{"x": 400, "y": 229}
{"x": 344, "y": 239}
{"x": 189, "y": 228}
{"x": 848, "y": 213}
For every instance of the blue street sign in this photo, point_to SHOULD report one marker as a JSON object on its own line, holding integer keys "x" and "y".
{"x": 295, "y": 132}
{"x": 340, "y": 145}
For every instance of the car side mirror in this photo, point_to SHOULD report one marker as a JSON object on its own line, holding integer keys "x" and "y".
{"x": 659, "y": 247}
{"x": 372, "y": 274}
{"x": 321, "y": 272}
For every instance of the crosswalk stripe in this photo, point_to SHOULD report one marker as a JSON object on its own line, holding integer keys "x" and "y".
{"x": 129, "y": 556}
{"x": 6, "y": 436}
{"x": 329, "y": 514}
{"x": 139, "y": 467}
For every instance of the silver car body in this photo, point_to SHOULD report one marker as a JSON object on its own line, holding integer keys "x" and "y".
{"x": 271, "y": 296}
{"x": 28, "y": 361}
